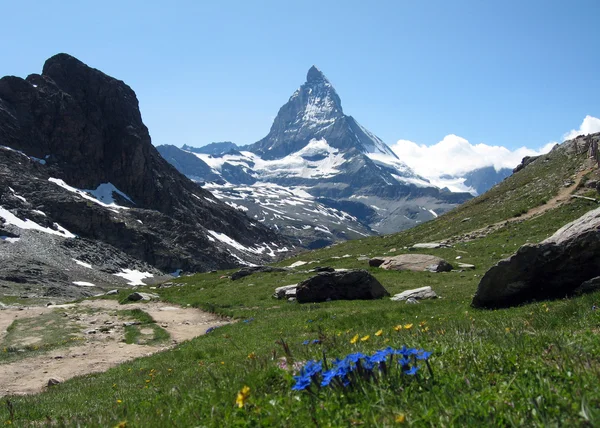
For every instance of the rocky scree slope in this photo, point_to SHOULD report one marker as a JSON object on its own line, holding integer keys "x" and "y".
{"x": 316, "y": 148}
{"x": 77, "y": 163}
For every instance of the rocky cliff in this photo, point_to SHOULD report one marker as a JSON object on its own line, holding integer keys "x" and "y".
{"x": 77, "y": 157}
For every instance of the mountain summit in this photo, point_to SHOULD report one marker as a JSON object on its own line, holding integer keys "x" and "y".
{"x": 318, "y": 176}
{"x": 315, "y": 112}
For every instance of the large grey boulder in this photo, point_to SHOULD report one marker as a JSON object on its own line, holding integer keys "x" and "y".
{"x": 415, "y": 262}
{"x": 348, "y": 285}
{"x": 286, "y": 291}
{"x": 562, "y": 265}
{"x": 417, "y": 294}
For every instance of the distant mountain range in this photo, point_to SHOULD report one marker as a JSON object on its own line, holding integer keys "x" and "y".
{"x": 318, "y": 176}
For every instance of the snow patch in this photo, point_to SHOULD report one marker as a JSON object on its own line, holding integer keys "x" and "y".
{"x": 103, "y": 191}
{"x": 10, "y": 218}
{"x": 84, "y": 264}
{"x": 84, "y": 284}
{"x": 134, "y": 277}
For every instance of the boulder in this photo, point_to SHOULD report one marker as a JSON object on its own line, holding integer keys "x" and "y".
{"x": 245, "y": 271}
{"x": 376, "y": 261}
{"x": 349, "y": 285}
{"x": 322, "y": 269}
{"x": 135, "y": 297}
{"x": 285, "y": 291}
{"x": 416, "y": 294}
{"x": 565, "y": 264}
{"x": 430, "y": 245}
{"x": 416, "y": 262}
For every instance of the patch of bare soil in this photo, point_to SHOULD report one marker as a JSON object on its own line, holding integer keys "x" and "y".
{"x": 99, "y": 350}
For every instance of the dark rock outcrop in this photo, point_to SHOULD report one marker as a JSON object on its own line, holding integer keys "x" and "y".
{"x": 562, "y": 265}
{"x": 355, "y": 284}
{"x": 74, "y": 128}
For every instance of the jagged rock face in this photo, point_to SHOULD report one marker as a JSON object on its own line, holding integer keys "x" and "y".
{"x": 314, "y": 111}
{"x": 73, "y": 128}
{"x": 562, "y": 265}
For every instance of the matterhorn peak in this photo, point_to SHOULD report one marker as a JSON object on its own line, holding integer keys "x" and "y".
{"x": 315, "y": 75}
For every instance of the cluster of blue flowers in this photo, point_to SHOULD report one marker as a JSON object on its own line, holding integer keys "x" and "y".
{"x": 311, "y": 342}
{"x": 358, "y": 366}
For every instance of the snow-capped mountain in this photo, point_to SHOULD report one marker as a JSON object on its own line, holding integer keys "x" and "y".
{"x": 337, "y": 166}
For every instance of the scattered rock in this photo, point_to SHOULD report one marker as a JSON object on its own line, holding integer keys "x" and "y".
{"x": 54, "y": 381}
{"x": 430, "y": 245}
{"x": 280, "y": 292}
{"x": 466, "y": 266}
{"x": 137, "y": 296}
{"x": 128, "y": 323}
{"x": 298, "y": 263}
{"x": 322, "y": 269}
{"x": 91, "y": 331}
{"x": 465, "y": 219}
{"x": 245, "y": 271}
{"x": 411, "y": 301}
{"x": 562, "y": 265}
{"x": 414, "y": 262}
{"x": 362, "y": 258}
{"x": 415, "y": 294}
{"x": 376, "y": 261}
{"x": 589, "y": 286}
{"x": 349, "y": 285}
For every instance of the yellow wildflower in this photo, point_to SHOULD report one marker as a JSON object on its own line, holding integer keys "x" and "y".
{"x": 354, "y": 339}
{"x": 242, "y": 396}
{"x": 365, "y": 338}
{"x": 422, "y": 323}
{"x": 122, "y": 424}
{"x": 408, "y": 326}
{"x": 379, "y": 333}
{"x": 398, "y": 327}
{"x": 251, "y": 355}
{"x": 119, "y": 401}
{"x": 401, "y": 418}
{"x": 507, "y": 329}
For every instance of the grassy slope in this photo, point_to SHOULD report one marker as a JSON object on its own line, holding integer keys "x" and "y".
{"x": 536, "y": 364}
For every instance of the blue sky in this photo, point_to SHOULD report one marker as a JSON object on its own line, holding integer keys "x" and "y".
{"x": 510, "y": 73}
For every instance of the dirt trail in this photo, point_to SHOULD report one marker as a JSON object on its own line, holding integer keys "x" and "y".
{"x": 561, "y": 197}
{"x": 100, "y": 351}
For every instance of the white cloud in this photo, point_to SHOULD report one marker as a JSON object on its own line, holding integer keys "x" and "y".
{"x": 590, "y": 125}
{"x": 454, "y": 155}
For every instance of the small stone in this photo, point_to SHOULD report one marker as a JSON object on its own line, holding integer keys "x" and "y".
{"x": 54, "y": 381}
{"x": 411, "y": 301}
{"x": 111, "y": 292}
{"x": 137, "y": 296}
{"x": 91, "y": 331}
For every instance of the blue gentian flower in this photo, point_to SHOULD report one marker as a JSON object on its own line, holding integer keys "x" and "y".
{"x": 413, "y": 371}
{"x": 306, "y": 342}
{"x": 424, "y": 355}
{"x": 302, "y": 382}
{"x": 404, "y": 361}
